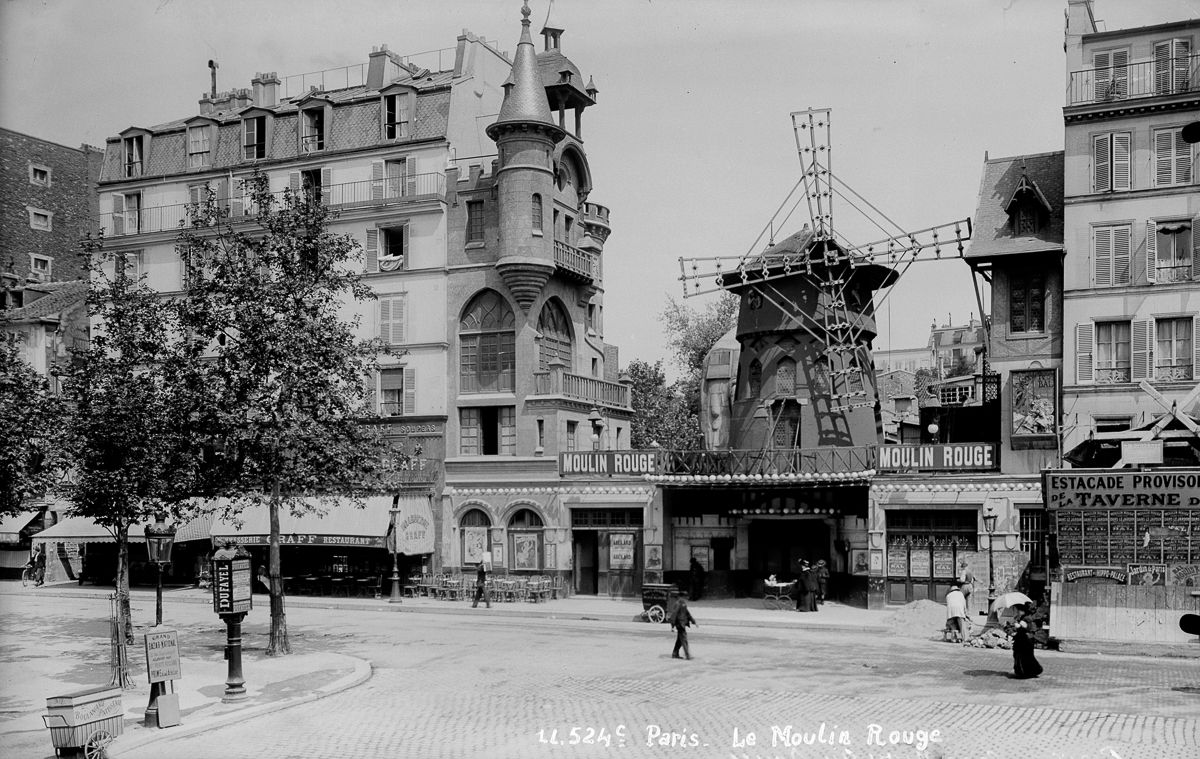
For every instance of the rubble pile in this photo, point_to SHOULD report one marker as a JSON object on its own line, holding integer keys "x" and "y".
{"x": 992, "y": 638}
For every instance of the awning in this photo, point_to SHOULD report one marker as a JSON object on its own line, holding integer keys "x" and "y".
{"x": 85, "y": 530}
{"x": 342, "y": 525}
{"x": 414, "y": 524}
{"x": 11, "y": 526}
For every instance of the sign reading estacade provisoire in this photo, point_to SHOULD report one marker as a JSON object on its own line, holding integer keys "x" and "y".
{"x": 608, "y": 463}
{"x": 1115, "y": 489}
{"x": 951, "y": 456}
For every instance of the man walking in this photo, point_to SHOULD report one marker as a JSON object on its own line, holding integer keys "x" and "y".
{"x": 481, "y": 590}
{"x": 681, "y": 618}
{"x": 822, "y": 581}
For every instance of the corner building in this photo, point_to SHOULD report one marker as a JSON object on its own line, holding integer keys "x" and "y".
{"x": 462, "y": 174}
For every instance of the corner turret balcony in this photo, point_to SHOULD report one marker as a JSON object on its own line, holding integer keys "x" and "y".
{"x": 575, "y": 264}
{"x": 1134, "y": 81}
{"x": 556, "y": 383}
{"x": 368, "y": 193}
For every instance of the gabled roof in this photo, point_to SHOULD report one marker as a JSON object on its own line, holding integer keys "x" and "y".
{"x": 1038, "y": 177}
{"x": 57, "y": 297}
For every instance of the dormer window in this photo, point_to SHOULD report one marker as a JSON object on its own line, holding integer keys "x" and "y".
{"x": 1026, "y": 220}
{"x": 312, "y": 137}
{"x": 1028, "y": 210}
{"x": 254, "y": 137}
{"x": 132, "y": 151}
{"x": 396, "y": 116}
{"x": 199, "y": 146}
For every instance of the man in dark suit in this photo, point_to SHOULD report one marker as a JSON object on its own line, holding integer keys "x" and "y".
{"x": 681, "y": 618}
{"x": 481, "y": 590}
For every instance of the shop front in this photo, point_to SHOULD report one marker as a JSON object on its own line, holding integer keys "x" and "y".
{"x": 16, "y": 531}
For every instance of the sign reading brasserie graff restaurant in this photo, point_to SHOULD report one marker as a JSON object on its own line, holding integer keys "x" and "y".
{"x": 1109, "y": 489}
{"x": 309, "y": 539}
{"x": 608, "y": 463}
{"x": 939, "y": 457}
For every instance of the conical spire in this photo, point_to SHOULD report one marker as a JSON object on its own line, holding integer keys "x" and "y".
{"x": 525, "y": 100}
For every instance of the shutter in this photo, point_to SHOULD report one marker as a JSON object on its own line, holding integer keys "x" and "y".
{"x": 1085, "y": 340}
{"x": 1196, "y": 247}
{"x": 1164, "y": 157}
{"x": 196, "y": 194}
{"x": 118, "y": 214}
{"x": 1120, "y": 74}
{"x": 294, "y": 181}
{"x": 1196, "y": 347}
{"x": 1102, "y": 252}
{"x": 1101, "y": 168}
{"x": 376, "y": 181}
{"x": 385, "y": 320}
{"x": 372, "y": 251}
{"x": 1142, "y": 349}
{"x": 327, "y": 187}
{"x": 1151, "y": 251}
{"x": 237, "y": 197}
{"x": 410, "y": 176}
{"x": 1162, "y": 68}
{"x": 410, "y": 391}
{"x": 1102, "y": 63}
{"x": 1121, "y": 176}
{"x": 1121, "y": 252}
{"x": 1183, "y": 159}
{"x": 404, "y": 246}
{"x": 369, "y": 383}
{"x": 400, "y": 319}
{"x": 1183, "y": 49}
{"x": 508, "y": 430}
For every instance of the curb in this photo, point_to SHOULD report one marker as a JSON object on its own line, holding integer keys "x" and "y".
{"x": 362, "y": 672}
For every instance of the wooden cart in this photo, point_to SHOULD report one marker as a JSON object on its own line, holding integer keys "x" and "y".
{"x": 88, "y": 720}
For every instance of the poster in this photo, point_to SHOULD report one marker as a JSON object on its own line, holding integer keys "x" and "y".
{"x": 474, "y": 544}
{"x": 162, "y": 656}
{"x": 897, "y": 561}
{"x": 620, "y": 550}
{"x": 943, "y": 562}
{"x": 1034, "y": 402}
{"x": 919, "y": 564}
{"x": 525, "y": 550}
{"x": 1147, "y": 574}
{"x": 1187, "y": 575}
{"x": 653, "y": 557}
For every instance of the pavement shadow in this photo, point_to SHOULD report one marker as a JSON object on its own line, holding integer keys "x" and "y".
{"x": 986, "y": 673}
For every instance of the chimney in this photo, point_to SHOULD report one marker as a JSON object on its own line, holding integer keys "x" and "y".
{"x": 257, "y": 86}
{"x": 377, "y": 67}
{"x": 213, "y": 66}
{"x": 206, "y": 104}
{"x": 270, "y": 90}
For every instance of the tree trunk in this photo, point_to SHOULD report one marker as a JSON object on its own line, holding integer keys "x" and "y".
{"x": 279, "y": 635}
{"x": 122, "y": 582}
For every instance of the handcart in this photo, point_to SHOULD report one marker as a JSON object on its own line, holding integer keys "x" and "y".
{"x": 778, "y": 595}
{"x": 657, "y": 599}
{"x": 88, "y": 720}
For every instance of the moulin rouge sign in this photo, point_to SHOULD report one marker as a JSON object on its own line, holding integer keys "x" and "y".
{"x": 608, "y": 463}
{"x": 934, "y": 458}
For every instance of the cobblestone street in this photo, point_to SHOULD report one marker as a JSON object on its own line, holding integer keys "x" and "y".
{"x": 484, "y": 685}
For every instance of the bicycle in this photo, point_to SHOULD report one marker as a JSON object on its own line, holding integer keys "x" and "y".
{"x": 30, "y": 574}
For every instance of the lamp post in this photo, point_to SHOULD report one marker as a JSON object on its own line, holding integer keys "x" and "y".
{"x": 989, "y": 524}
{"x": 394, "y": 540}
{"x": 597, "y": 422}
{"x": 160, "y": 537}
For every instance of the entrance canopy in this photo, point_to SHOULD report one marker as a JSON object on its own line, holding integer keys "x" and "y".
{"x": 342, "y": 525}
{"x": 11, "y": 526}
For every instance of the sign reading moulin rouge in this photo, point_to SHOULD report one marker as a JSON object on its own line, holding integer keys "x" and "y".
{"x": 231, "y": 585}
{"x": 609, "y": 463}
{"x": 952, "y": 456}
{"x": 162, "y": 656}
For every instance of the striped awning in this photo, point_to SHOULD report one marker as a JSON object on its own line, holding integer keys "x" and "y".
{"x": 342, "y": 525}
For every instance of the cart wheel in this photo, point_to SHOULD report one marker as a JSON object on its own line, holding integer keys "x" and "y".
{"x": 656, "y": 613}
{"x": 97, "y": 745}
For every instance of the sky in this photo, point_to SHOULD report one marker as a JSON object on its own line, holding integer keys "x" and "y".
{"x": 690, "y": 143}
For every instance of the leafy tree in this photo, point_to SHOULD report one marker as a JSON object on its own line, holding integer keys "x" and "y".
{"x": 661, "y": 414}
{"x": 129, "y": 442}
{"x": 32, "y": 455}
{"x": 275, "y": 372}
{"x": 691, "y": 334}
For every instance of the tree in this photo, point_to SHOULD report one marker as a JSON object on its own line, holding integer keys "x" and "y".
{"x": 275, "y": 373}
{"x": 32, "y": 451}
{"x": 691, "y": 334}
{"x": 661, "y": 414}
{"x": 130, "y": 445}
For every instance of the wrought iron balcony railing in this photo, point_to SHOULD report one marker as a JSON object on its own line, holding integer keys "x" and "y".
{"x": 1173, "y": 372}
{"x": 576, "y": 263}
{"x": 831, "y": 460}
{"x": 1181, "y": 273}
{"x": 576, "y": 387}
{"x": 1131, "y": 81}
{"x": 1113, "y": 376}
{"x": 350, "y": 195}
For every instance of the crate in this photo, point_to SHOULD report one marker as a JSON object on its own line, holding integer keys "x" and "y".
{"x": 75, "y": 718}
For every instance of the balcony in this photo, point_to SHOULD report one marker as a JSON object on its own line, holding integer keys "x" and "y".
{"x": 818, "y": 465}
{"x": 1113, "y": 375}
{"x": 1133, "y": 81}
{"x": 1168, "y": 274}
{"x": 576, "y": 387}
{"x": 1173, "y": 372}
{"x": 367, "y": 193}
{"x": 576, "y": 264}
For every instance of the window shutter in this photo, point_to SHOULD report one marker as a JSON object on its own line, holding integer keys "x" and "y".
{"x": 1151, "y": 251}
{"x": 1142, "y": 349}
{"x": 404, "y": 244}
{"x": 1164, "y": 157}
{"x": 294, "y": 181}
{"x": 1100, "y": 163}
{"x": 385, "y": 320}
{"x": 1120, "y": 255}
{"x": 237, "y": 197}
{"x": 1120, "y": 73}
{"x": 410, "y": 391}
{"x": 400, "y": 319}
{"x": 372, "y": 250}
{"x": 118, "y": 214}
{"x": 1162, "y": 67}
{"x": 1196, "y": 347}
{"x": 1121, "y": 177}
{"x": 370, "y": 382}
{"x": 1196, "y": 247}
{"x": 410, "y": 176}
{"x": 1102, "y": 252}
{"x": 1183, "y": 159}
{"x": 1102, "y": 63}
{"x": 1183, "y": 51}
{"x": 376, "y": 181}
{"x": 327, "y": 186}
{"x": 196, "y": 194}
{"x": 1085, "y": 340}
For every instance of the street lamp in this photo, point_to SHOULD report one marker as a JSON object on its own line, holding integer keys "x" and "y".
{"x": 989, "y": 524}
{"x": 160, "y": 537}
{"x": 597, "y": 422}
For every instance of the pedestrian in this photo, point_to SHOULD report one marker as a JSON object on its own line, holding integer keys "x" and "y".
{"x": 966, "y": 582}
{"x": 956, "y": 614}
{"x": 697, "y": 579}
{"x": 1025, "y": 664}
{"x": 39, "y": 565}
{"x": 681, "y": 619}
{"x": 822, "y": 581}
{"x": 808, "y": 588}
{"x": 481, "y": 590}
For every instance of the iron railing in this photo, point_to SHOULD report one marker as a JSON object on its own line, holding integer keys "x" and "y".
{"x": 827, "y": 460}
{"x": 1172, "y": 372}
{"x": 1131, "y": 81}
{"x": 577, "y": 262}
{"x": 1181, "y": 273}
{"x": 361, "y": 194}
{"x": 1113, "y": 376}
{"x": 577, "y": 387}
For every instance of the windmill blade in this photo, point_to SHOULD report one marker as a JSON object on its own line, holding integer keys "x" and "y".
{"x": 812, "y": 132}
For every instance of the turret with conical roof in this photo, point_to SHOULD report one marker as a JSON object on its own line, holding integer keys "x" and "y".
{"x": 525, "y": 136}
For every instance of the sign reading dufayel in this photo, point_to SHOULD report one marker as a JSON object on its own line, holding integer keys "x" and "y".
{"x": 231, "y": 585}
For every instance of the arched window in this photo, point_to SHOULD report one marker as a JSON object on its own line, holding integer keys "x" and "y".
{"x": 474, "y": 528}
{"x": 555, "y": 342}
{"x": 536, "y": 211}
{"x": 754, "y": 383}
{"x": 487, "y": 345}
{"x": 525, "y": 541}
{"x": 785, "y": 377}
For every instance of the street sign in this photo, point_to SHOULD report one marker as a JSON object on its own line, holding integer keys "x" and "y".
{"x": 231, "y": 585}
{"x": 162, "y": 656}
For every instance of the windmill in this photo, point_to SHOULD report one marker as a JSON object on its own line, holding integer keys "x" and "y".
{"x": 806, "y": 319}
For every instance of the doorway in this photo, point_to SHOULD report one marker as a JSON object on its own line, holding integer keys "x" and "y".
{"x": 778, "y": 545}
{"x": 585, "y": 546}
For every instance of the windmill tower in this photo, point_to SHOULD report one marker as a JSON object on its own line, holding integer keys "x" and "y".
{"x": 805, "y": 376}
